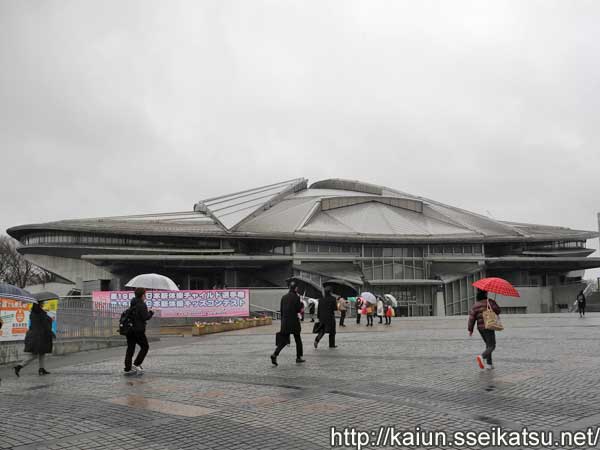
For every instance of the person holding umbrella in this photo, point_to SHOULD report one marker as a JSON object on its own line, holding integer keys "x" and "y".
{"x": 484, "y": 312}
{"x": 489, "y": 336}
{"x": 380, "y": 309}
{"x": 326, "y": 315}
{"x": 38, "y": 340}
{"x": 290, "y": 308}
{"x": 137, "y": 335}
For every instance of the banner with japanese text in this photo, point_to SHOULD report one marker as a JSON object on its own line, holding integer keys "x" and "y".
{"x": 15, "y": 318}
{"x": 213, "y": 303}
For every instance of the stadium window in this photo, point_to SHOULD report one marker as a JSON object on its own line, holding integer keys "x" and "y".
{"x": 388, "y": 272}
{"x": 418, "y": 252}
{"x": 409, "y": 272}
{"x": 378, "y": 270}
{"x": 398, "y": 270}
{"x": 368, "y": 269}
{"x": 388, "y": 252}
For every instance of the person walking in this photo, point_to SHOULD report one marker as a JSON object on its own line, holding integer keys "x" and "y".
{"x": 380, "y": 309}
{"x": 488, "y": 336}
{"x": 38, "y": 340}
{"x": 326, "y": 315}
{"x": 581, "y": 303}
{"x": 290, "y": 308}
{"x": 342, "y": 307}
{"x": 311, "y": 311}
{"x": 137, "y": 335}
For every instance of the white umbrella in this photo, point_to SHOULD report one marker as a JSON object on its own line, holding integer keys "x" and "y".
{"x": 153, "y": 281}
{"x": 304, "y": 302}
{"x": 369, "y": 298}
{"x": 313, "y": 300}
{"x": 392, "y": 299}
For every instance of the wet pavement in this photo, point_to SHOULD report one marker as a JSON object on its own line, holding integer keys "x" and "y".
{"x": 221, "y": 391}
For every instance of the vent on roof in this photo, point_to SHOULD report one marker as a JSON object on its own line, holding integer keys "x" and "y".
{"x": 200, "y": 207}
{"x": 342, "y": 202}
{"x": 348, "y": 185}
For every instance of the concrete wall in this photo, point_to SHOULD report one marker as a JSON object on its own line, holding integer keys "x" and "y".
{"x": 536, "y": 299}
{"x": 72, "y": 269}
{"x": 567, "y": 294}
{"x": 542, "y": 299}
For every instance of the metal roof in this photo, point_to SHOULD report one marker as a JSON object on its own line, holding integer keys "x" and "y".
{"x": 335, "y": 209}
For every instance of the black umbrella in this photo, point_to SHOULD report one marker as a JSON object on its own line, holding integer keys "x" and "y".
{"x": 14, "y": 293}
{"x": 44, "y": 296}
{"x": 307, "y": 287}
{"x": 341, "y": 287}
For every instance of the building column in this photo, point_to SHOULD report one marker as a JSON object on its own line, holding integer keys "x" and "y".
{"x": 440, "y": 305}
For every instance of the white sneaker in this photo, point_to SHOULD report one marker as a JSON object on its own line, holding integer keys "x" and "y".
{"x": 489, "y": 366}
{"x": 138, "y": 370}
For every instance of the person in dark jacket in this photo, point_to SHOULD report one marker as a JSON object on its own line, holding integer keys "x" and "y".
{"x": 488, "y": 336}
{"x": 327, "y": 308}
{"x": 290, "y": 309}
{"x": 311, "y": 311}
{"x": 38, "y": 340}
{"x": 359, "y": 306}
{"x": 581, "y": 303}
{"x": 137, "y": 335}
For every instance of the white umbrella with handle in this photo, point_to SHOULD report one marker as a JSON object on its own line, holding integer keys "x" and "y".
{"x": 369, "y": 298}
{"x": 153, "y": 281}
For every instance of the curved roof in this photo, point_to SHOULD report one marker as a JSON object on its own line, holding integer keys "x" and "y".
{"x": 328, "y": 209}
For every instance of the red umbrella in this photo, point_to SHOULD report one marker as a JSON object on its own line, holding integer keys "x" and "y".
{"x": 497, "y": 286}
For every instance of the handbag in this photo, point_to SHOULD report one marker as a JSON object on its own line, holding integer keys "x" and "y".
{"x": 282, "y": 339}
{"x": 491, "y": 321}
{"x": 317, "y": 327}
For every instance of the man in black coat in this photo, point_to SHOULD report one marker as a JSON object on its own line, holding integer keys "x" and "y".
{"x": 140, "y": 315}
{"x": 326, "y": 314}
{"x": 290, "y": 309}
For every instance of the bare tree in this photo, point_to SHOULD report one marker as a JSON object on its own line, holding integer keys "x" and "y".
{"x": 15, "y": 269}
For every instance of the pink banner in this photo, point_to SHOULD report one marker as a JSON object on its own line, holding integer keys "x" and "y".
{"x": 217, "y": 303}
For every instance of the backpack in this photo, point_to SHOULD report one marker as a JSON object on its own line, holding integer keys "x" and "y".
{"x": 126, "y": 321}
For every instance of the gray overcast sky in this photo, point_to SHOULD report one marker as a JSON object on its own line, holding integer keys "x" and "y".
{"x": 119, "y": 107}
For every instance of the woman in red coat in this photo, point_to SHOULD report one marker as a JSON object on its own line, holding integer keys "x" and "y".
{"x": 488, "y": 336}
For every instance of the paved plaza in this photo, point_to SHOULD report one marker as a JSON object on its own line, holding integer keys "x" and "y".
{"x": 221, "y": 391}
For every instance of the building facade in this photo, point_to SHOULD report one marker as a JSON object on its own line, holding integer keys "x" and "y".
{"x": 425, "y": 253}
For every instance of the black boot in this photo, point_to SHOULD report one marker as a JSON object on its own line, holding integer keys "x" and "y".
{"x": 43, "y": 372}
{"x": 274, "y": 359}
{"x": 18, "y": 370}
